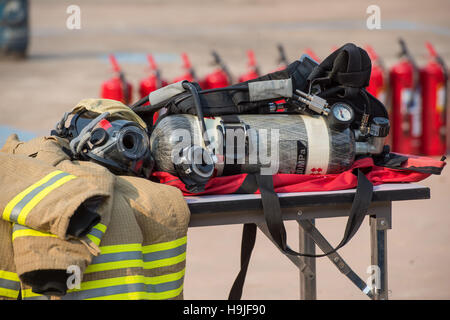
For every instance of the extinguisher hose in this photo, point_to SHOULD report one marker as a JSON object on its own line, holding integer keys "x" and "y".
{"x": 158, "y": 79}
{"x": 282, "y": 59}
{"x": 218, "y": 60}
{"x": 416, "y": 83}
{"x": 123, "y": 84}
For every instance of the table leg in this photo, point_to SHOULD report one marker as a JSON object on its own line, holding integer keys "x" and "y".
{"x": 379, "y": 224}
{"x": 308, "y": 290}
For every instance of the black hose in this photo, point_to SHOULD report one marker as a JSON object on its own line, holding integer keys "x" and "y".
{"x": 145, "y": 99}
{"x": 140, "y": 102}
{"x": 218, "y": 60}
{"x": 198, "y": 107}
{"x": 416, "y": 83}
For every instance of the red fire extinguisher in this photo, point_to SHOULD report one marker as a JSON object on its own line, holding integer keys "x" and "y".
{"x": 219, "y": 78}
{"x": 433, "y": 80}
{"x": 253, "y": 69}
{"x": 152, "y": 82}
{"x": 117, "y": 88}
{"x": 406, "y": 106}
{"x": 377, "y": 85}
{"x": 189, "y": 74}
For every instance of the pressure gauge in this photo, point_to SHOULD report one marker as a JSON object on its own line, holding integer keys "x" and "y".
{"x": 341, "y": 116}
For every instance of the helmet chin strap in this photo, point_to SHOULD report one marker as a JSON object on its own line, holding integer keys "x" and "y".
{"x": 77, "y": 144}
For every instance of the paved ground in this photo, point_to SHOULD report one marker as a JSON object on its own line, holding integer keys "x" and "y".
{"x": 66, "y": 66}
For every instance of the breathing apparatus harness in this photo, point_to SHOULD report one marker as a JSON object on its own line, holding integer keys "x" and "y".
{"x": 329, "y": 89}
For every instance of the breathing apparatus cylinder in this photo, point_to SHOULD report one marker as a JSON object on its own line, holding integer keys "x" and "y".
{"x": 328, "y": 119}
{"x": 276, "y": 143}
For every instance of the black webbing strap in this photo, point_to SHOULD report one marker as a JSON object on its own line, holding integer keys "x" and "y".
{"x": 274, "y": 220}
{"x": 247, "y": 245}
{"x": 232, "y": 122}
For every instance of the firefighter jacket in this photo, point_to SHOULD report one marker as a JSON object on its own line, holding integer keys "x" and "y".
{"x": 72, "y": 230}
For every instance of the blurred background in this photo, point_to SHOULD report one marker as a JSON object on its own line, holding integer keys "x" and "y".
{"x": 67, "y": 60}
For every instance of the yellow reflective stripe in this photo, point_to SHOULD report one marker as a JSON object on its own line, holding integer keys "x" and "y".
{"x": 164, "y": 245}
{"x": 31, "y": 233}
{"x": 27, "y": 293}
{"x": 33, "y": 202}
{"x": 9, "y": 275}
{"x": 96, "y": 234}
{"x": 145, "y": 249}
{"x": 9, "y": 284}
{"x": 95, "y": 284}
{"x": 9, "y": 293}
{"x": 142, "y": 295}
{"x": 20, "y": 196}
{"x": 123, "y": 296}
{"x": 165, "y": 262}
{"x": 94, "y": 239}
{"x": 96, "y": 289}
{"x": 165, "y": 278}
{"x": 121, "y": 248}
{"x": 136, "y": 263}
{"x": 100, "y": 227}
{"x": 114, "y": 265}
{"x": 164, "y": 295}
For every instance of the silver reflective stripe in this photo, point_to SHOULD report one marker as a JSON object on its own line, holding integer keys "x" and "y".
{"x": 166, "y": 286}
{"x": 101, "y": 292}
{"x": 19, "y": 227}
{"x": 9, "y": 284}
{"x": 137, "y": 255}
{"x": 164, "y": 254}
{"x": 96, "y": 233}
{"x": 22, "y": 203}
{"x": 37, "y": 298}
{"x": 119, "y": 256}
{"x": 123, "y": 288}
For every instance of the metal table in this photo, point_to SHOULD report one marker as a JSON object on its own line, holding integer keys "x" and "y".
{"x": 305, "y": 207}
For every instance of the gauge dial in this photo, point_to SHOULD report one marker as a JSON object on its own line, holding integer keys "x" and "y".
{"x": 341, "y": 116}
{"x": 342, "y": 112}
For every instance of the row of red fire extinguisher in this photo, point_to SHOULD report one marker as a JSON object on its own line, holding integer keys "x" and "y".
{"x": 417, "y": 100}
{"x": 118, "y": 88}
{"x": 416, "y": 97}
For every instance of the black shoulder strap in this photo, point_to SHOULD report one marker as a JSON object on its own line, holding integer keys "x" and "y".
{"x": 348, "y": 66}
{"x": 274, "y": 220}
